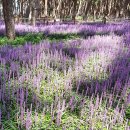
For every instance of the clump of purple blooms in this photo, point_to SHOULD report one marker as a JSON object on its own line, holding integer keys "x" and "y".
{"x": 79, "y": 84}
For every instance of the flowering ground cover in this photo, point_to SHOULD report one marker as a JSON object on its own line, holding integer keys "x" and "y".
{"x": 75, "y": 77}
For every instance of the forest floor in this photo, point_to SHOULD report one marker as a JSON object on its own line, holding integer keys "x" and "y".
{"x": 66, "y": 77}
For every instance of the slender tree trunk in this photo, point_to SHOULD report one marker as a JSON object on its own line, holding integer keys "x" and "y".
{"x": 32, "y": 15}
{"x": 54, "y": 11}
{"x": 33, "y": 20}
{"x": 88, "y": 6}
{"x": 59, "y": 9}
{"x": 79, "y": 8}
{"x": 46, "y": 11}
{"x": 74, "y": 11}
{"x": 46, "y": 8}
{"x": 9, "y": 18}
{"x": 126, "y": 3}
{"x": 21, "y": 9}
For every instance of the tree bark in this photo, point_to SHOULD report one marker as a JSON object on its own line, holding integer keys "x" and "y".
{"x": 9, "y": 18}
{"x": 33, "y": 20}
{"x": 74, "y": 11}
{"x": 88, "y": 6}
{"x": 46, "y": 7}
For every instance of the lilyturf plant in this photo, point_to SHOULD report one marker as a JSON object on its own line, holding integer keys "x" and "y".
{"x": 79, "y": 84}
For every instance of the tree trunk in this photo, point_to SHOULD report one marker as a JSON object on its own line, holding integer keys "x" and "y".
{"x": 88, "y": 6}
{"x": 54, "y": 11}
{"x": 9, "y": 18}
{"x": 59, "y": 9}
{"x": 32, "y": 15}
{"x": 33, "y": 20}
{"x": 46, "y": 5}
{"x": 126, "y": 10}
{"x": 79, "y": 8}
{"x": 74, "y": 11}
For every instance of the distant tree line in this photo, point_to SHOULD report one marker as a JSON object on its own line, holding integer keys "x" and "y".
{"x": 63, "y": 9}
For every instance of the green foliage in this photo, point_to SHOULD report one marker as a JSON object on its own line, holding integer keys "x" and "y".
{"x": 79, "y": 18}
{"x": 20, "y": 40}
{"x": 34, "y": 38}
{"x": 37, "y": 37}
{"x": 3, "y": 40}
{"x": 128, "y": 112}
{"x": 62, "y": 37}
{"x": 71, "y": 119}
{"x": 17, "y": 41}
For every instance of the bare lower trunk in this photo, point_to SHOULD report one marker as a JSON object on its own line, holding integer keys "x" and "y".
{"x": 88, "y": 6}
{"x": 45, "y": 11}
{"x": 79, "y": 8}
{"x": 74, "y": 11}
{"x": 9, "y": 18}
{"x": 33, "y": 20}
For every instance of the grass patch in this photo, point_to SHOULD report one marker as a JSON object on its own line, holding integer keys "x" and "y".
{"x": 37, "y": 37}
{"x": 20, "y": 40}
{"x": 62, "y": 37}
